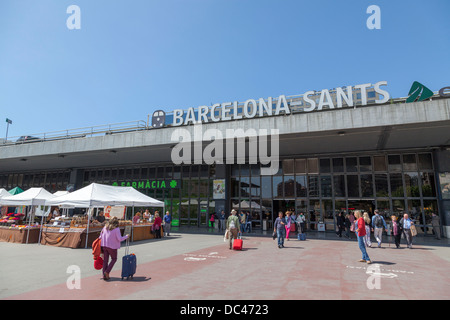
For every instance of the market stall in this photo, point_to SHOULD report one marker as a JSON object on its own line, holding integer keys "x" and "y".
{"x": 18, "y": 231}
{"x": 96, "y": 196}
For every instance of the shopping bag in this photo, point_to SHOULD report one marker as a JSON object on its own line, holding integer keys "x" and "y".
{"x": 413, "y": 230}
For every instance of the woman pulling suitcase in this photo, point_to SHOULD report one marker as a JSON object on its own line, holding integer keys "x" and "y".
{"x": 110, "y": 238}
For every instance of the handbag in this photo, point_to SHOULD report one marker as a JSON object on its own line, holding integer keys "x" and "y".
{"x": 274, "y": 235}
{"x": 413, "y": 230}
{"x": 226, "y": 236}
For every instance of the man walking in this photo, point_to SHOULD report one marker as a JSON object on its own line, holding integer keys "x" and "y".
{"x": 167, "y": 223}
{"x": 377, "y": 224}
{"x": 233, "y": 226}
{"x": 406, "y": 223}
{"x": 222, "y": 221}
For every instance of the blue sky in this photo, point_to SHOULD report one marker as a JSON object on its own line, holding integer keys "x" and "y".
{"x": 133, "y": 57}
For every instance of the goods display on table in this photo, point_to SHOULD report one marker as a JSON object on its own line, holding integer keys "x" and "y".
{"x": 73, "y": 231}
{"x": 19, "y": 233}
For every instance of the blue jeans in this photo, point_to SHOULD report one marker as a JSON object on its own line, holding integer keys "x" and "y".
{"x": 362, "y": 247}
{"x": 281, "y": 234}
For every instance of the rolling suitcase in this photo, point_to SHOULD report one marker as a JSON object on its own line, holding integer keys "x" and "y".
{"x": 129, "y": 263}
{"x": 301, "y": 236}
{"x": 237, "y": 243}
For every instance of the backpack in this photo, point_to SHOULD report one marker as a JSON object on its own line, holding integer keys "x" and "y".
{"x": 96, "y": 248}
{"x": 378, "y": 222}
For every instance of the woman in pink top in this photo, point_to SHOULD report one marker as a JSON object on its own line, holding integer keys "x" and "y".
{"x": 110, "y": 238}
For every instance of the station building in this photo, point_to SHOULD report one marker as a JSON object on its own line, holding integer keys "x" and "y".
{"x": 328, "y": 151}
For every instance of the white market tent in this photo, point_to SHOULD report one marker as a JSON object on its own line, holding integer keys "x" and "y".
{"x": 98, "y": 195}
{"x": 4, "y": 193}
{"x": 32, "y": 197}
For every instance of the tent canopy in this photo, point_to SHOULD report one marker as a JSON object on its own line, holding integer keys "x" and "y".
{"x": 15, "y": 191}
{"x": 4, "y": 193}
{"x": 99, "y": 195}
{"x": 30, "y": 197}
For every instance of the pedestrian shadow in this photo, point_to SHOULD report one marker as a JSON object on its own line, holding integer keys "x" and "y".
{"x": 387, "y": 263}
{"x": 134, "y": 279}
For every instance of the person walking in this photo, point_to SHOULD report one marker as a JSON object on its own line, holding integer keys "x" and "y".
{"x": 301, "y": 219}
{"x": 167, "y": 223}
{"x": 280, "y": 229}
{"x": 360, "y": 229}
{"x": 340, "y": 223}
{"x": 396, "y": 230}
{"x": 233, "y": 225}
{"x": 110, "y": 239}
{"x": 348, "y": 226}
{"x": 377, "y": 224}
{"x": 222, "y": 221}
{"x": 436, "y": 224}
{"x": 367, "y": 221}
{"x": 289, "y": 222}
{"x": 212, "y": 220}
{"x": 406, "y": 224}
{"x": 157, "y": 225}
{"x": 243, "y": 221}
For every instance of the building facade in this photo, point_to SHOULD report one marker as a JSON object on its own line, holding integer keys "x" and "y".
{"x": 369, "y": 153}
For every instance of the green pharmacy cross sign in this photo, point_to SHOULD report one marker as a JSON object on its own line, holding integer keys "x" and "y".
{"x": 151, "y": 184}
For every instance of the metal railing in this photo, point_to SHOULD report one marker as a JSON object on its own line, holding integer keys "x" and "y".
{"x": 77, "y": 133}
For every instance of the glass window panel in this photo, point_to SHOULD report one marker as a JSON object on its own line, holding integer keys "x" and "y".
{"x": 352, "y": 186}
{"x": 409, "y": 162}
{"x": 394, "y": 163}
{"x": 338, "y": 165}
{"x": 425, "y": 161}
{"x": 325, "y": 165}
{"x": 203, "y": 188}
{"x": 289, "y": 186}
{"x": 351, "y": 164}
{"x": 365, "y": 164}
{"x": 255, "y": 190}
{"x": 313, "y": 186}
{"x": 266, "y": 187}
{"x": 428, "y": 184}
{"x": 255, "y": 170}
{"x": 288, "y": 166}
{"x": 277, "y": 186}
{"x": 300, "y": 165}
{"x": 339, "y": 185}
{"x": 412, "y": 184}
{"x": 415, "y": 211}
{"x": 429, "y": 207}
{"x": 235, "y": 170}
{"x": 301, "y": 186}
{"x": 398, "y": 206}
{"x": 396, "y": 185}
{"x": 245, "y": 170}
{"x": 379, "y": 163}
{"x": 245, "y": 187}
{"x": 313, "y": 165}
{"x": 367, "y": 185}
{"x": 325, "y": 186}
{"x": 384, "y": 208}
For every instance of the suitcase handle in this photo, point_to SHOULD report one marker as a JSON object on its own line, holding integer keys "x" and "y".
{"x": 127, "y": 248}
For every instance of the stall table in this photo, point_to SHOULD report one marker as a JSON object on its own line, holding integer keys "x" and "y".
{"x": 143, "y": 232}
{"x": 19, "y": 235}
{"x": 69, "y": 237}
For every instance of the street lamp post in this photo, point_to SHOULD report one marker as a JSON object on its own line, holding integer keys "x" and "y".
{"x": 8, "y": 121}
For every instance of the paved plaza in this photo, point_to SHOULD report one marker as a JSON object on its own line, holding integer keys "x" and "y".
{"x": 196, "y": 266}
